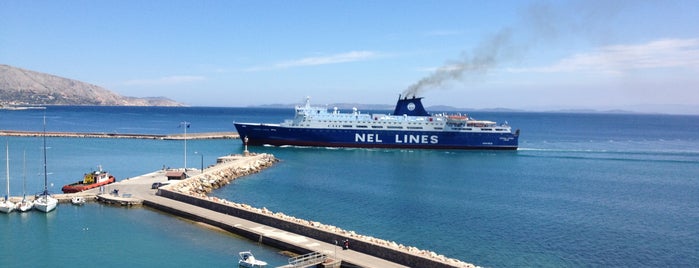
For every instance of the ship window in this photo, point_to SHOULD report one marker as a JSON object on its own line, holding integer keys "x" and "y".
{"x": 361, "y": 126}
{"x": 395, "y": 127}
{"x": 346, "y": 125}
{"x": 486, "y": 129}
{"x": 414, "y": 127}
{"x": 376, "y": 126}
{"x": 438, "y": 128}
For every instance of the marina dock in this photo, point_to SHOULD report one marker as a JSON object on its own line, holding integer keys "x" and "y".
{"x": 187, "y": 198}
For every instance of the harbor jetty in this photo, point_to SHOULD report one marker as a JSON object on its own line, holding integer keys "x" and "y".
{"x": 188, "y": 198}
{"x": 189, "y": 136}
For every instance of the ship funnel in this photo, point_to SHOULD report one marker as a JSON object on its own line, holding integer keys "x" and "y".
{"x": 410, "y": 106}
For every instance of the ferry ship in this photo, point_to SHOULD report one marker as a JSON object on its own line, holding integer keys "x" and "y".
{"x": 409, "y": 126}
{"x": 91, "y": 180}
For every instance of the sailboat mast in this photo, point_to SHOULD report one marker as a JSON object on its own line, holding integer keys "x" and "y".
{"x": 45, "y": 172}
{"x": 7, "y": 168}
{"x": 24, "y": 174}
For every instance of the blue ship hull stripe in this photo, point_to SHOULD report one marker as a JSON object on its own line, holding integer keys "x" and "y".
{"x": 261, "y": 134}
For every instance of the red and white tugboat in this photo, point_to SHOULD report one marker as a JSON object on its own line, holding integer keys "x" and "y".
{"x": 91, "y": 180}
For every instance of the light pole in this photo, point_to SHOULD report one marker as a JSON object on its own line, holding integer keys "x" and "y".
{"x": 185, "y": 125}
{"x": 202, "y": 161}
{"x": 245, "y": 142}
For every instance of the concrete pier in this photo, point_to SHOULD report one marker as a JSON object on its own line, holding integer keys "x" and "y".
{"x": 190, "y": 136}
{"x": 62, "y": 198}
{"x": 187, "y": 198}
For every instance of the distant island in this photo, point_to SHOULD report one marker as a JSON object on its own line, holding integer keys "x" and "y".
{"x": 20, "y": 87}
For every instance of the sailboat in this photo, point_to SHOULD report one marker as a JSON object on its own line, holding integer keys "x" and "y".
{"x": 45, "y": 202}
{"x": 7, "y": 206}
{"x": 25, "y": 205}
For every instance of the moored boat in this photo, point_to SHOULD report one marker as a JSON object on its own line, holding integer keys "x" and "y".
{"x": 77, "y": 200}
{"x": 44, "y": 202}
{"x": 409, "y": 126}
{"x": 90, "y": 180}
{"x": 26, "y": 204}
{"x": 249, "y": 261}
{"x": 6, "y": 206}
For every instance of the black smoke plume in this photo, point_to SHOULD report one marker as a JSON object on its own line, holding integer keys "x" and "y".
{"x": 540, "y": 22}
{"x": 484, "y": 57}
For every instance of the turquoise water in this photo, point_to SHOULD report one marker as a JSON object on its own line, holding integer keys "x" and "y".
{"x": 98, "y": 235}
{"x": 583, "y": 190}
{"x": 524, "y": 208}
{"x": 69, "y": 158}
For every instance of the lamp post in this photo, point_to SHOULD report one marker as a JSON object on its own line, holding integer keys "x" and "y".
{"x": 245, "y": 142}
{"x": 202, "y": 161}
{"x": 185, "y": 125}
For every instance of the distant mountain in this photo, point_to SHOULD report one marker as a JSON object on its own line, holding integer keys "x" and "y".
{"x": 20, "y": 87}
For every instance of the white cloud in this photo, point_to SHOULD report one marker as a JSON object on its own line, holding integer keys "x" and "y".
{"x": 165, "y": 81}
{"x": 351, "y": 56}
{"x": 664, "y": 53}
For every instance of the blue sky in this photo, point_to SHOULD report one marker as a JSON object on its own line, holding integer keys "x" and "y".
{"x": 535, "y": 55}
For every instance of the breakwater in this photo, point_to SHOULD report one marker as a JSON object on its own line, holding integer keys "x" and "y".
{"x": 190, "y": 136}
{"x": 194, "y": 191}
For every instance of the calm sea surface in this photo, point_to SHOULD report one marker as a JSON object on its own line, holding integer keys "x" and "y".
{"x": 583, "y": 190}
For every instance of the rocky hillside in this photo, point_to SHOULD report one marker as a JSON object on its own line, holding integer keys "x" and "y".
{"x": 24, "y": 87}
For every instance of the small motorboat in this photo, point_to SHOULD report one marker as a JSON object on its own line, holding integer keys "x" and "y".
{"x": 77, "y": 200}
{"x": 248, "y": 260}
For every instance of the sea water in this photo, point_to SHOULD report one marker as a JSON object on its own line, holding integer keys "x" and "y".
{"x": 582, "y": 190}
{"x": 96, "y": 235}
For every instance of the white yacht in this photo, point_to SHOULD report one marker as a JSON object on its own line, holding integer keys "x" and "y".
{"x": 45, "y": 202}
{"x": 7, "y": 206}
{"x": 26, "y": 204}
